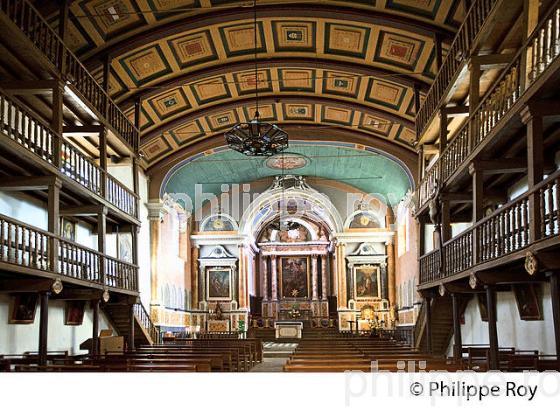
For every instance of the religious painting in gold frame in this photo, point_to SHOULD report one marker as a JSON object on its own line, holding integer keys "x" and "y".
{"x": 23, "y": 308}
{"x": 294, "y": 276}
{"x": 367, "y": 282}
{"x": 74, "y": 312}
{"x": 219, "y": 283}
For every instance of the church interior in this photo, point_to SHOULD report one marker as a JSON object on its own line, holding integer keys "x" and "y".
{"x": 279, "y": 185}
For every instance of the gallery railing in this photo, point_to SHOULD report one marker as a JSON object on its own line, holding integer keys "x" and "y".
{"x": 145, "y": 320}
{"x": 506, "y": 230}
{"x": 539, "y": 51}
{"x": 46, "y": 40}
{"x": 30, "y": 132}
{"x": 453, "y": 61}
{"x": 27, "y": 246}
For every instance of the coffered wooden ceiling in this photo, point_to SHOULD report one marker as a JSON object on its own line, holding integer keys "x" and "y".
{"x": 344, "y": 64}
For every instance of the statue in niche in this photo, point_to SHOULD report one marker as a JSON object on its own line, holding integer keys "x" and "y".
{"x": 322, "y": 234}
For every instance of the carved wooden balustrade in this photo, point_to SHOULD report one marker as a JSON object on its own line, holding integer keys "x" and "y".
{"x": 454, "y": 60}
{"x": 505, "y": 231}
{"x": 27, "y": 246}
{"x": 543, "y": 47}
{"x": 46, "y": 40}
{"x": 30, "y": 132}
{"x": 145, "y": 320}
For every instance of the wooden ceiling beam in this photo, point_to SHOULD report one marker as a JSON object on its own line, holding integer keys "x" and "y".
{"x": 27, "y": 183}
{"x": 85, "y": 210}
{"x": 25, "y": 285}
{"x": 79, "y": 294}
{"x": 28, "y": 87}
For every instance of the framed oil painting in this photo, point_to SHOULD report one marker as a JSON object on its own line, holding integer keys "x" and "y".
{"x": 124, "y": 247}
{"x": 528, "y": 303}
{"x": 218, "y": 283}
{"x": 24, "y": 308}
{"x": 294, "y": 272}
{"x": 68, "y": 229}
{"x": 367, "y": 284}
{"x": 74, "y": 312}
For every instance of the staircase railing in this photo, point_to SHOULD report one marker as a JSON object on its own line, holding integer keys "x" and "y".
{"x": 419, "y": 326}
{"x": 32, "y": 133}
{"x": 27, "y": 246}
{"x": 22, "y": 14}
{"x": 145, "y": 320}
{"x": 541, "y": 49}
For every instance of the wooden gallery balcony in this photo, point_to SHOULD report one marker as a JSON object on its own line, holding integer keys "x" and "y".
{"x": 529, "y": 223}
{"x": 26, "y": 249}
{"x": 32, "y": 141}
{"x": 530, "y": 73}
{"x": 28, "y": 41}
{"x": 492, "y": 149}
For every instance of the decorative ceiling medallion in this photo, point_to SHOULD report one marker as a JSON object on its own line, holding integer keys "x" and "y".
{"x": 287, "y": 161}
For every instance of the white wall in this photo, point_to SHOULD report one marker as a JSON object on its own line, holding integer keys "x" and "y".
{"x": 16, "y": 339}
{"x": 512, "y": 331}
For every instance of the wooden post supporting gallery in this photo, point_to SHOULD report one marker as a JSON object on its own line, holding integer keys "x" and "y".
{"x": 492, "y": 328}
{"x": 555, "y": 301}
{"x": 95, "y": 331}
{"x": 428, "y": 306}
{"x": 43, "y": 327}
{"x": 131, "y": 329}
{"x": 457, "y": 339}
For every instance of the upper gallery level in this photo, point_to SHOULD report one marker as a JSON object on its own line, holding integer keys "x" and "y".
{"x": 36, "y": 59}
{"x": 479, "y": 106}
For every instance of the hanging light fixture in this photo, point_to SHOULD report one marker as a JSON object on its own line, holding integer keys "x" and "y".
{"x": 257, "y": 138}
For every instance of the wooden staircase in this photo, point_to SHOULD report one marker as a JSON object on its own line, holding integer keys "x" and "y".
{"x": 145, "y": 331}
{"x": 442, "y": 324}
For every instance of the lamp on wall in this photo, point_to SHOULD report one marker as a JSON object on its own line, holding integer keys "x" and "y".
{"x": 257, "y": 138}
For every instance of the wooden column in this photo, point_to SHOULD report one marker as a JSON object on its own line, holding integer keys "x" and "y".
{"x": 530, "y": 19}
{"x": 63, "y": 19}
{"x": 103, "y": 160}
{"x": 492, "y": 327}
{"x": 555, "y": 301}
{"x": 132, "y": 321}
{"x": 535, "y": 166}
{"x": 391, "y": 274}
{"x": 102, "y": 240}
{"x": 95, "y": 330}
{"x": 57, "y": 122}
{"x": 458, "y": 343}
{"x": 445, "y": 221}
{"x": 53, "y": 204}
{"x": 324, "y": 276}
{"x": 442, "y": 131}
{"x": 474, "y": 98}
{"x": 43, "y": 327}
{"x": 478, "y": 193}
{"x": 274, "y": 277}
{"x": 264, "y": 276}
{"x": 428, "y": 307}
{"x": 314, "y": 278}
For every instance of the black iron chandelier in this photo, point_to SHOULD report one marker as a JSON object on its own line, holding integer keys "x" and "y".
{"x": 257, "y": 138}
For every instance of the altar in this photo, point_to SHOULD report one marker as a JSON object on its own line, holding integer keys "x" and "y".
{"x": 288, "y": 329}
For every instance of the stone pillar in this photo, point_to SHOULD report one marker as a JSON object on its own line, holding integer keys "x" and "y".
{"x": 274, "y": 277}
{"x": 341, "y": 275}
{"x": 314, "y": 278}
{"x": 156, "y": 212}
{"x": 391, "y": 273}
{"x": 241, "y": 275}
{"x": 264, "y": 276}
{"x": 195, "y": 254}
{"x": 324, "y": 276}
